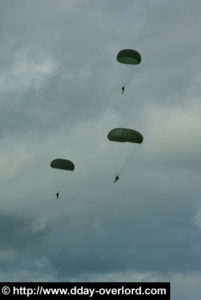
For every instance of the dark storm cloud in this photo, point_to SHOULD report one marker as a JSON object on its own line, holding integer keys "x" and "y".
{"x": 152, "y": 237}
{"x": 19, "y": 236}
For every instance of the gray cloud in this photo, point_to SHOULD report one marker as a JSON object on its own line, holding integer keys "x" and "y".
{"x": 60, "y": 94}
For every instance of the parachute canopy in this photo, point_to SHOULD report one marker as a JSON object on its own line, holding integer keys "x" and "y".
{"x": 129, "y": 57}
{"x": 62, "y": 164}
{"x": 125, "y": 135}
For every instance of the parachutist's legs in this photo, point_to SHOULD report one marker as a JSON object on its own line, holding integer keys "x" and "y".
{"x": 116, "y": 178}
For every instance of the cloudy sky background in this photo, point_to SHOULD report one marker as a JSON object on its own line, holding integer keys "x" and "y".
{"x": 60, "y": 94}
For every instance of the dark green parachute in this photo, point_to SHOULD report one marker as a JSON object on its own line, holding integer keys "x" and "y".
{"x": 123, "y": 135}
{"x": 129, "y": 57}
{"x": 62, "y": 164}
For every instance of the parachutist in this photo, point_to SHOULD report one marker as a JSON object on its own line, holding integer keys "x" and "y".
{"x": 116, "y": 178}
{"x": 128, "y": 57}
{"x": 64, "y": 165}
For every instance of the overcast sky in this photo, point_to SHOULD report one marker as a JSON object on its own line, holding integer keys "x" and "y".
{"x": 60, "y": 95}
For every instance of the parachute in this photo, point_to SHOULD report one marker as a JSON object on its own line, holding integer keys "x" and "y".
{"x": 129, "y": 57}
{"x": 123, "y": 135}
{"x": 62, "y": 164}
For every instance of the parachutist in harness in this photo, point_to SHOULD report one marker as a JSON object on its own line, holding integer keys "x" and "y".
{"x": 116, "y": 178}
{"x": 57, "y": 194}
{"x": 123, "y": 89}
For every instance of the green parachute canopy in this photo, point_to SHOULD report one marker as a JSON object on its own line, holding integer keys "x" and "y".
{"x": 62, "y": 164}
{"x": 123, "y": 135}
{"x": 129, "y": 57}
